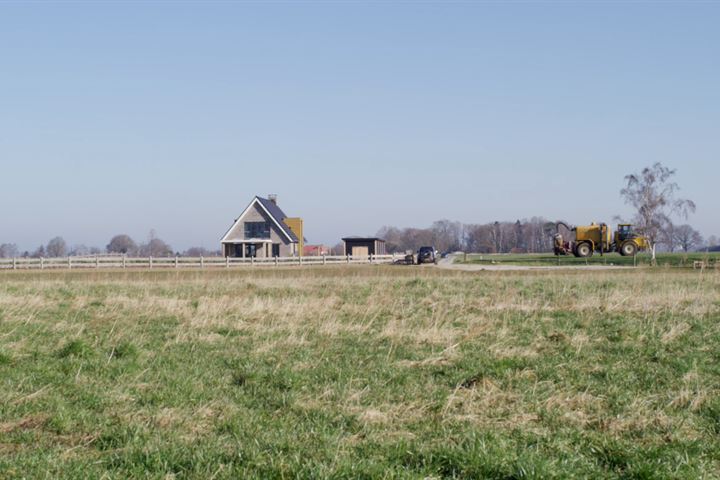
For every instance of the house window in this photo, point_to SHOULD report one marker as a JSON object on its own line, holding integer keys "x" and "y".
{"x": 257, "y": 230}
{"x": 276, "y": 250}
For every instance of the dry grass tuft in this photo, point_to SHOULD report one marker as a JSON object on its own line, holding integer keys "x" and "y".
{"x": 31, "y": 422}
{"x": 675, "y": 332}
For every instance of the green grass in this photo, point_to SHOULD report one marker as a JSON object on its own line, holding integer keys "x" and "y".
{"x": 360, "y": 372}
{"x": 543, "y": 259}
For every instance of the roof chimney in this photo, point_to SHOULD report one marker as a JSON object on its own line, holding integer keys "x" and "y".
{"x": 273, "y": 198}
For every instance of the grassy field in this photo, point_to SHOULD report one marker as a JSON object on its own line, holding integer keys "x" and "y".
{"x": 548, "y": 259}
{"x": 360, "y": 372}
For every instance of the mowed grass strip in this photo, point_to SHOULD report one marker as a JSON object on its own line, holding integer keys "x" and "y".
{"x": 643, "y": 259}
{"x": 360, "y": 372}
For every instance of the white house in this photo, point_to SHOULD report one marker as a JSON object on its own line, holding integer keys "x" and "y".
{"x": 263, "y": 230}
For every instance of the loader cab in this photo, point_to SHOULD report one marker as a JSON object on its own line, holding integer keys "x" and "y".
{"x": 624, "y": 231}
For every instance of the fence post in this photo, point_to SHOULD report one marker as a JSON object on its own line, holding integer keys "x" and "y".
{"x": 14, "y": 263}
{"x": 252, "y": 261}
{"x": 276, "y": 261}
{"x": 42, "y": 263}
{"x": 227, "y": 262}
{"x": 69, "y": 263}
{"x": 123, "y": 262}
{"x": 150, "y": 261}
{"x": 176, "y": 261}
{"x": 202, "y": 262}
{"x": 324, "y": 260}
{"x": 97, "y": 262}
{"x": 347, "y": 257}
{"x": 299, "y": 260}
{"x": 372, "y": 258}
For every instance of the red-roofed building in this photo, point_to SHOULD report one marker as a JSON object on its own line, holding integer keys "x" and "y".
{"x": 315, "y": 250}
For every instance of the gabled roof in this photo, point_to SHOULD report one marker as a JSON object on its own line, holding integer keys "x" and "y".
{"x": 275, "y": 213}
{"x": 278, "y": 215}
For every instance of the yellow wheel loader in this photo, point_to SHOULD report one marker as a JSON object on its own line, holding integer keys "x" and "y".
{"x": 599, "y": 238}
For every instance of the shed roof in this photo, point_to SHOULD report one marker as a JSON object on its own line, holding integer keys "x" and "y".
{"x": 345, "y": 239}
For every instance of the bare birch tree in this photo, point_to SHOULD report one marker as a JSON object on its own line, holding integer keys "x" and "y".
{"x": 652, "y": 193}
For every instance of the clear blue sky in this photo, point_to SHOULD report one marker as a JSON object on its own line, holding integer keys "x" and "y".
{"x": 127, "y": 116}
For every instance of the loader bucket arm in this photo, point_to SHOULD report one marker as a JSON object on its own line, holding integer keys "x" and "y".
{"x": 558, "y": 224}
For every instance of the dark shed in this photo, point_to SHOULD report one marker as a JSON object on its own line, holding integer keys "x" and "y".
{"x": 363, "y": 246}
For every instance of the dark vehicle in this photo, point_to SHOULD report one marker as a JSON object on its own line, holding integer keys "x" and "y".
{"x": 426, "y": 255}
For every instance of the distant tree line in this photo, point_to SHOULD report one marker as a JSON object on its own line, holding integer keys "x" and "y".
{"x": 521, "y": 236}
{"x": 121, "y": 244}
{"x": 673, "y": 238}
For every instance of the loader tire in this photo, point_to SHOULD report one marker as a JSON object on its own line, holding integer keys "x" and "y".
{"x": 583, "y": 250}
{"x": 628, "y": 249}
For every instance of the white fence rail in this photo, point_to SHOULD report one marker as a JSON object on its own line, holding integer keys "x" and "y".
{"x": 120, "y": 262}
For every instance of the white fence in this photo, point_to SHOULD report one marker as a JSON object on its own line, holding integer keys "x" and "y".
{"x": 121, "y": 262}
